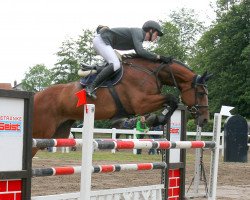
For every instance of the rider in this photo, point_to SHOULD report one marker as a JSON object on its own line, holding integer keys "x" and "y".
{"x": 107, "y": 40}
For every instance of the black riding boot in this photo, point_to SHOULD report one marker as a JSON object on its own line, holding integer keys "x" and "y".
{"x": 104, "y": 74}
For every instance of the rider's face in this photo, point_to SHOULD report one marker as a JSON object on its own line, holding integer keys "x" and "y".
{"x": 154, "y": 36}
{"x": 151, "y": 36}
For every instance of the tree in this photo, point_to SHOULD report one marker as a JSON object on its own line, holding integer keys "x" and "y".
{"x": 66, "y": 68}
{"x": 84, "y": 51}
{"x": 37, "y": 78}
{"x": 191, "y": 29}
{"x": 170, "y": 43}
{"x": 225, "y": 5}
{"x": 224, "y": 50}
{"x": 180, "y": 34}
{"x": 71, "y": 55}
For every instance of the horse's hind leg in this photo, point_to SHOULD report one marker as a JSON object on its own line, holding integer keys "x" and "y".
{"x": 63, "y": 130}
{"x": 34, "y": 151}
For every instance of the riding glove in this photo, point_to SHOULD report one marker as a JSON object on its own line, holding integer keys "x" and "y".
{"x": 166, "y": 59}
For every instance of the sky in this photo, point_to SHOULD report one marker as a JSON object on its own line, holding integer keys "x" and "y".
{"x": 32, "y": 31}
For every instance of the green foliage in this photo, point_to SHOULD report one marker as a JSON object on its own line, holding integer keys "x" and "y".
{"x": 224, "y": 5}
{"x": 169, "y": 43}
{"x": 84, "y": 51}
{"x": 180, "y": 35}
{"x": 224, "y": 51}
{"x": 102, "y": 124}
{"x": 191, "y": 29}
{"x": 66, "y": 68}
{"x": 71, "y": 54}
{"x": 37, "y": 78}
{"x": 191, "y": 126}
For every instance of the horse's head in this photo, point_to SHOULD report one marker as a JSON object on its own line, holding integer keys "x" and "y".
{"x": 196, "y": 98}
{"x": 193, "y": 90}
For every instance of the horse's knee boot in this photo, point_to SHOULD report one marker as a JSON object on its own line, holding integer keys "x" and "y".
{"x": 172, "y": 101}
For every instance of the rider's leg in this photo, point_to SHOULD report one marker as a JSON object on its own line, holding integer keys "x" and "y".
{"x": 103, "y": 75}
{"x": 107, "y": 52}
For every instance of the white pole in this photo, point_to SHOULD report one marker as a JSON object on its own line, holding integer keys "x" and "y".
{"x": 87, "y": 151}
{"x": 197, "y": 171}
{"x": 222, "y": 144}
{"x": 54, "y": 149}
{"x": 134, "y": 137}
{"x": 215, "y": 158}
{"x": 113, "y": 137}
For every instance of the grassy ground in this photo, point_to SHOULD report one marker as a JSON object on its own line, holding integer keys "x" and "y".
{"x": 100, "y": 156}
{"x": 122, "y": 155}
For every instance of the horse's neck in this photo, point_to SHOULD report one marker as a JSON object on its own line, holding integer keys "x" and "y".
{"x": 176, "y": 71}
{"x": 182, "y": 75}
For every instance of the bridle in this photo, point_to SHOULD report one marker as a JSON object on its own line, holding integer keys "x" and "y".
{"x": 194, "y": 110}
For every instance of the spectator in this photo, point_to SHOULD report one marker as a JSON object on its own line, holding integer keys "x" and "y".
{"x": 142, "y": 127}
{"x": 156, "y": 128}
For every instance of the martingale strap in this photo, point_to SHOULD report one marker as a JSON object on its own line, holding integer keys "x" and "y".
{"x": 121, "y": 112}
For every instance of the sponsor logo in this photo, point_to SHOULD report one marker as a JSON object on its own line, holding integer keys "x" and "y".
{"x": 175, "y": 127}
{"x": 10, "y": 126}
{"x": 174, "y": 130}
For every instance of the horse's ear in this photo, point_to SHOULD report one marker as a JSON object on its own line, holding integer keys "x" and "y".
{"x": 208, "y": 76}
{"x": 205, "y": 77}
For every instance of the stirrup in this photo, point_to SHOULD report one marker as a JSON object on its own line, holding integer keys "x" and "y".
{"x": 90, "y": 93}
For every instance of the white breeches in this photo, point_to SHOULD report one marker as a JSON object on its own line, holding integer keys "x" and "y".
{"x": 106, "y": 51}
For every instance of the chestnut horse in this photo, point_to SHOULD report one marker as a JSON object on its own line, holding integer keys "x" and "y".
{"x": 139, "y": 92}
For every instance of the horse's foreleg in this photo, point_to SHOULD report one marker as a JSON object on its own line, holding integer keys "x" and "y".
{"x": 152, "y": 103}
{"x": 171, "y": 105}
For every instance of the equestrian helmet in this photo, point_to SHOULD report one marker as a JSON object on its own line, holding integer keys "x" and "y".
{"x": 152, "y": 25}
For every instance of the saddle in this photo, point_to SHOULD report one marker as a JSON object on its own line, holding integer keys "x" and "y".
{"x": 88, "y": 74}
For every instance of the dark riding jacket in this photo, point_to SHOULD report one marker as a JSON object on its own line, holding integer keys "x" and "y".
{"x": 127, "y": 39}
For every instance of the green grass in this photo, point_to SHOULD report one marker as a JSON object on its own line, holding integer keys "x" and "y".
{"x": 121, "y": 156}
{"x": 127, "y": 156}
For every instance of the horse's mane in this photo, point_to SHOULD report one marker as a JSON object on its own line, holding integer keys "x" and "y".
{"x": 134, "y": 56}
{"x": 184, "y": 65}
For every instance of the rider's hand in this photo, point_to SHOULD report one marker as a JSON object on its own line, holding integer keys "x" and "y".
{"x": 166, "y": 59}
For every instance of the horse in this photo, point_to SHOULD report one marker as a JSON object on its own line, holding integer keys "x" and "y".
{"x": 139, "y": 91}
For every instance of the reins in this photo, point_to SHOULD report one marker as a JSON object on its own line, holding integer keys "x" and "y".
{"x": 150, "y": 72}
